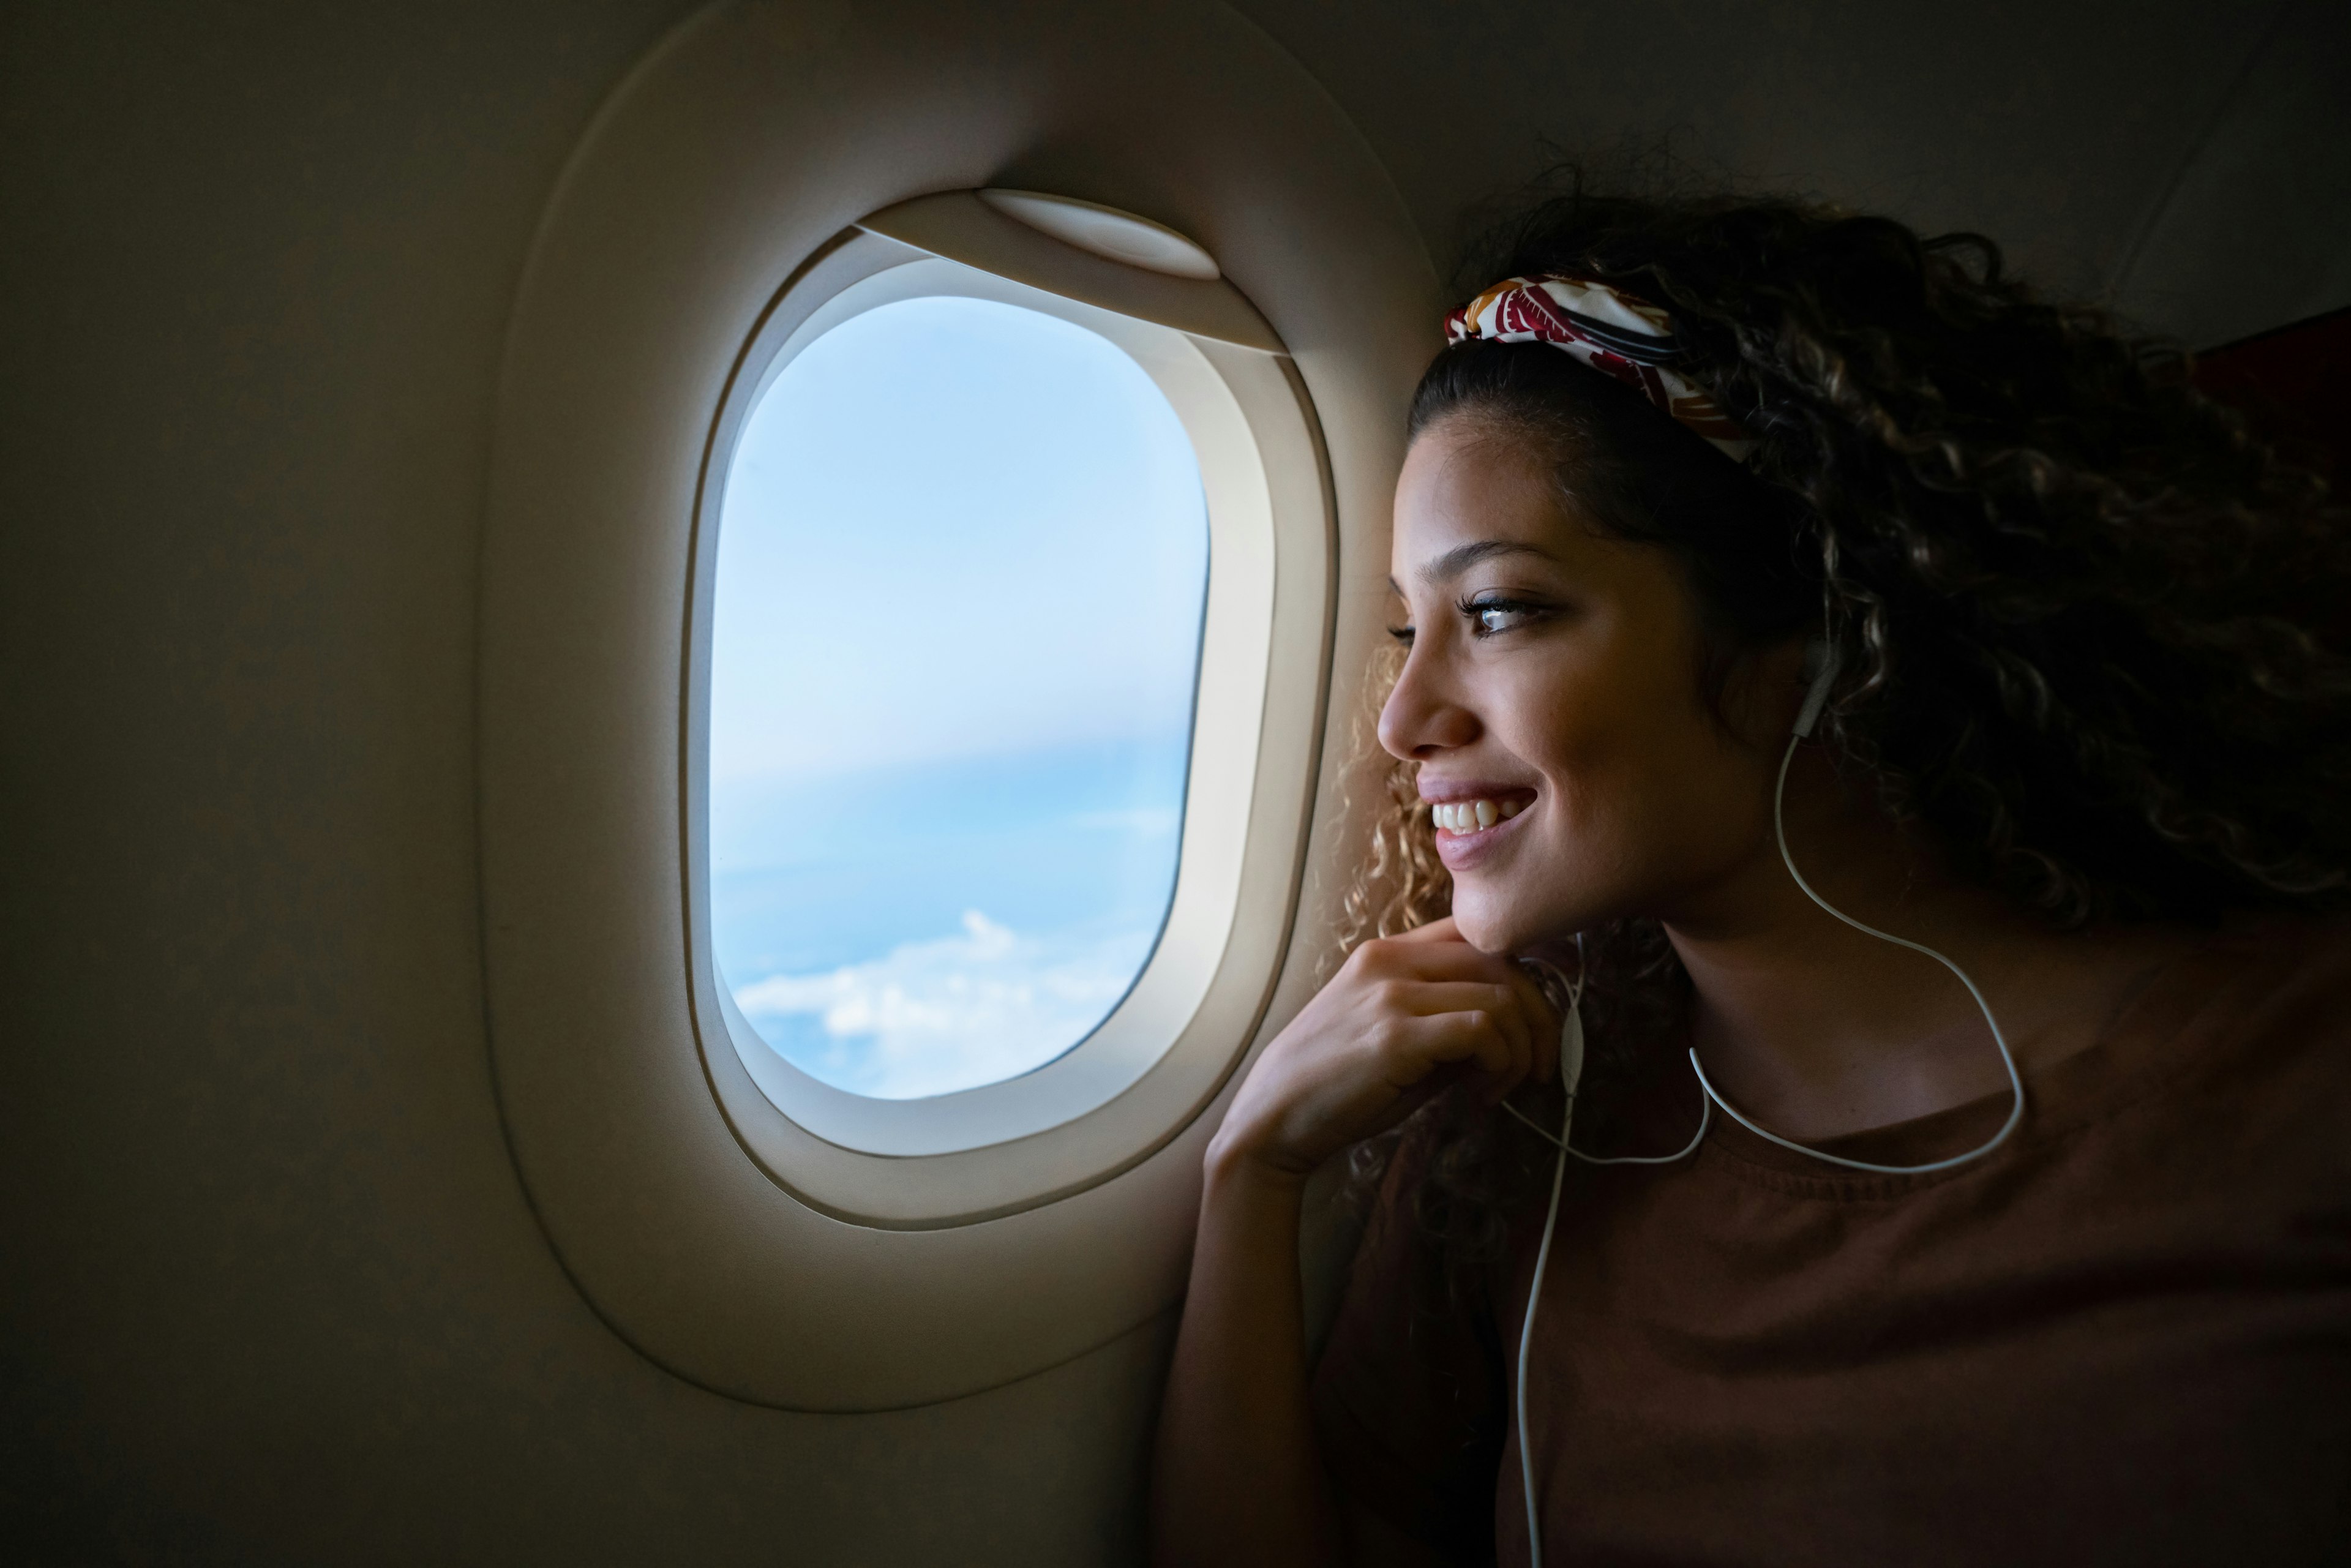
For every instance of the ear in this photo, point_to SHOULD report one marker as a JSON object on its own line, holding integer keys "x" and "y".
{"x": 1767, "y": 690}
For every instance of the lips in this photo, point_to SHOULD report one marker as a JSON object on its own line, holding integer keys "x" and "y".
{"x": 1470, "y": 815}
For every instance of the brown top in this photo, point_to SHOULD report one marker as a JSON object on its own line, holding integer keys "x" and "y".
{"x": 2123, "y": 1337}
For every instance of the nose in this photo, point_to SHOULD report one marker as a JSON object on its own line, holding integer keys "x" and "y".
{"x": 1423, "y": 716}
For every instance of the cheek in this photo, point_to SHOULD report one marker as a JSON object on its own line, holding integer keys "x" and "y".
{"x": 1649, "y": 786}
{"x": 1601, "y": 735}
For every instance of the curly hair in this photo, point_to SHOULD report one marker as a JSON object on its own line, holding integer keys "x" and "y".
{"x": 2091, "y": 629}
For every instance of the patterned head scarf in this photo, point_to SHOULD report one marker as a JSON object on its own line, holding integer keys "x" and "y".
{"x": 1613, "y": 332}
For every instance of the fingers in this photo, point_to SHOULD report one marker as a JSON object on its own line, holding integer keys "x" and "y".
{"x": 1518, "y": 1010}
{"x": 1425, "y": 957}
{"x": 1514, "y": 998}
{"x": 1521, "y": 1027}
{"x": 1426, "y": 998}
{"x": 1430, "y": 970}
{"x": 1544, "y": 1021}
{"x": 1475, "y": 1040}
{"x": 1415, "y": 1046}
{"x": 1405, "y": 1019}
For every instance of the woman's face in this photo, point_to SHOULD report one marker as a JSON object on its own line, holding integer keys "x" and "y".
{"x": 1552, "y": 696}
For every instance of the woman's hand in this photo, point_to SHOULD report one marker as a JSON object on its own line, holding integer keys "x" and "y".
{"x": 1238, "y": 1477}
{"x": 1404, "y": 1017}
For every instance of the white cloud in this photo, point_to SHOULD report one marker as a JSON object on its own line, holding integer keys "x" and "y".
{"x": 930, "y": 1018}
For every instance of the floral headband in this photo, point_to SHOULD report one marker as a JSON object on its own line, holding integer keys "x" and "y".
{"x": 1613, "y": 332}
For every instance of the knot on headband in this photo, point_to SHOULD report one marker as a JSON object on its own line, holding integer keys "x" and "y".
{"x": 1615, "y": 333}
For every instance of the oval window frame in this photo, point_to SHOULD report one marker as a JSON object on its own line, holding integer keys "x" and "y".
{"x": 1163, "y": 1054}
{"x": 743, "y": 143}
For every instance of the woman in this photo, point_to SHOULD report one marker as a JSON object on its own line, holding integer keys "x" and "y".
{"x": 2059, "y": 1274}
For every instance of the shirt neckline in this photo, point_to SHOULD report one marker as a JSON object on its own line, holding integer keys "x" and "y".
{"x": 2151, "y": 1034}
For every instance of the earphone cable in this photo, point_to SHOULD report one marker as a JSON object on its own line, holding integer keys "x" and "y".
{"x": 1570, "y": 1073}
{"x": 2007, "y": 1057}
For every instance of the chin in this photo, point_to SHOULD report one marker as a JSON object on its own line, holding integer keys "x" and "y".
{"x": 1492, "y": 924}
{"x": 1492, "y": 921}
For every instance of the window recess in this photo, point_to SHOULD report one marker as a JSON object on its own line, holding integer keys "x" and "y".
{"x": 1162, "y": 1050}
{"x": 813, "y": 1248}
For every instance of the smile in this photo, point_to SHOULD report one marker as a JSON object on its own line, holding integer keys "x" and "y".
{"x": 1473, "y": 815}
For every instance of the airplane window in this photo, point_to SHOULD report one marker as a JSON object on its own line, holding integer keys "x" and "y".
{"x": 962, "y": 564}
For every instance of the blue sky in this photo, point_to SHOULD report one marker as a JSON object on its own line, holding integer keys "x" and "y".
{"x": 962, "y": 557}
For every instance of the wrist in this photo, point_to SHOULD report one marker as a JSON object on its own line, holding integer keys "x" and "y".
{"x": 1235, "y": 1162}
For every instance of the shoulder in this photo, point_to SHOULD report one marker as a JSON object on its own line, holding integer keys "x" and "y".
{"x": 2247, "y": 1040}
{"x": 2266, "y": 992}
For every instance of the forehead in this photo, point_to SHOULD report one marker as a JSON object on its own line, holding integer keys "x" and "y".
{"x": 1464, "y": 485}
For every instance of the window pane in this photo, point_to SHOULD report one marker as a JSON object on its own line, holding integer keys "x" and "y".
{"x": 962, "y": 564}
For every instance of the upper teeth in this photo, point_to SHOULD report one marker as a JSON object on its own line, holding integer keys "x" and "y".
{"x": 1468, "y": 816}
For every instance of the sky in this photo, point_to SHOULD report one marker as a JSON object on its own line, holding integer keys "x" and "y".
{"x": 962, "y": 553}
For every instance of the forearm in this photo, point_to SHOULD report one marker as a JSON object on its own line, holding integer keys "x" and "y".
{"x": 1237, "y": 1478}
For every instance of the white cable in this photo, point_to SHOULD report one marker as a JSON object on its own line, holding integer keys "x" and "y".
{"x": 1534, "y": 1292}
{"x": 1570, "y": 1074}
{"x": 1705, "y": 1120}
{"x": 2007, "y": 1058}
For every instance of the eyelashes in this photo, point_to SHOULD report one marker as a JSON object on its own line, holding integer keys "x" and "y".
{"x": 1490, "y": 615}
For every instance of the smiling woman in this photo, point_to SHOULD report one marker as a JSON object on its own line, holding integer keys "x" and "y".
{"x": 1871, "y": 703}
{"x": 962, "y": 566}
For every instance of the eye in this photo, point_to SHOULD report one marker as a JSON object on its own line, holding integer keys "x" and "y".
{"x": 1491, "y": 616}
{"x": 1403, "y": 634}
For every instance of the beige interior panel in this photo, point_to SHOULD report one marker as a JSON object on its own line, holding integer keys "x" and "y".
{"x": 271, "y": 1287}
{"x": 2062, "y": 130}
{"x": 2253, "y": 230}
{"x": 736, "y": 153}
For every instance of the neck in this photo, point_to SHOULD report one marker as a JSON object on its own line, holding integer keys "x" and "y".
{"x": 1814, "y": 1028}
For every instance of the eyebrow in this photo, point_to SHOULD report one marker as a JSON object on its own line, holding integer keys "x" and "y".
{"x": 1461, "y": 558}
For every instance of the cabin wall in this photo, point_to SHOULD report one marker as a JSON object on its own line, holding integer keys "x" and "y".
{"x": 2186, "y": 162}
{"x": 269, "y": 1287}
{"x": 272, "y": 1291}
